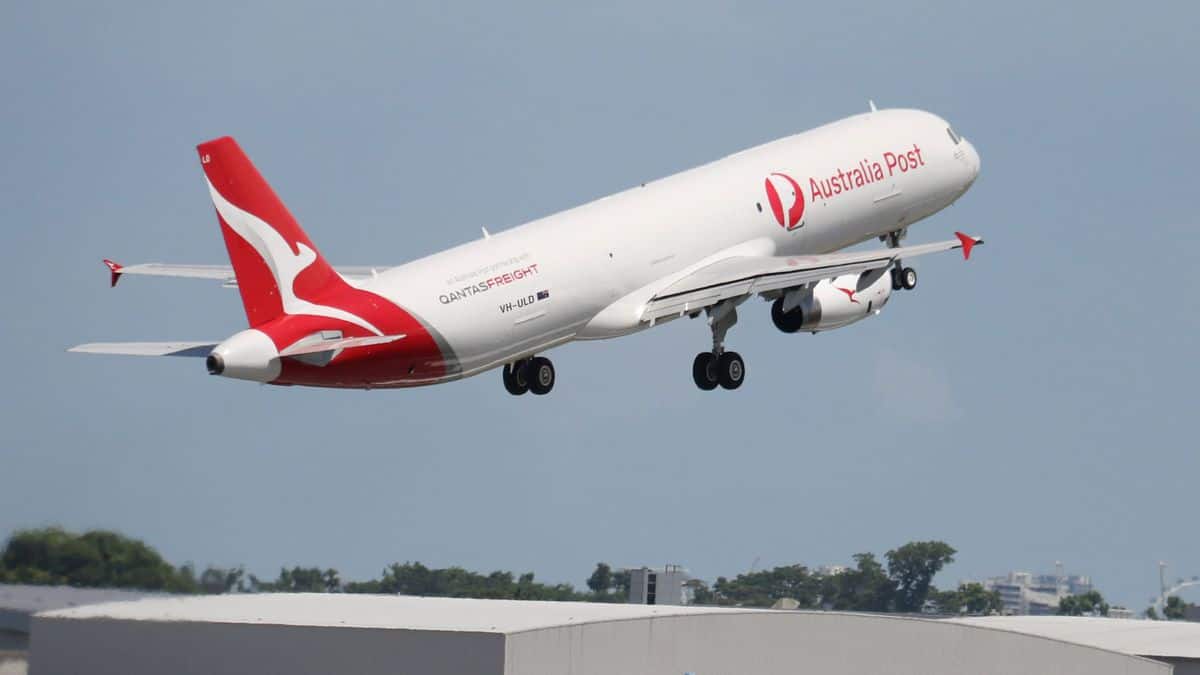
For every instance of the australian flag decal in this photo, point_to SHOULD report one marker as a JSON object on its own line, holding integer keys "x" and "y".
{"x": 542, "y": 295}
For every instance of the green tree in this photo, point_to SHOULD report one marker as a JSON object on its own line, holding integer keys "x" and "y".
{"x": 371, "y": 586}
{"x": 96, "y": 559}
{"x": 1151, "y": 613}
{"x": 970, "y": 598}
{"x": 912, "y": 568}
{"x": 1174, "y": 609}
{"x": 601, "y": 580}
{"x": 701, "y": 593}
{"x": 763, "y": 588}
{"x": 1086, "y": 604}
{"x": 608, "y": 585}
{"x": 978, "y": 600}
{"x": 947, "y": 602}
{"x": 417, "y": 579}
{"x": 621, "y": 583}
{"x": 215, "y": 580}
{"x": 865, "y": 588}
{"x": 299, "y": 580}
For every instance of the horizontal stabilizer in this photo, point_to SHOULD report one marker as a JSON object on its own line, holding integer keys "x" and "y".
{"x": 222, "y": 273}
{"x": 337, "y": 344}
{"x": 319, "y": 349}
{"x": 200, "y": 349}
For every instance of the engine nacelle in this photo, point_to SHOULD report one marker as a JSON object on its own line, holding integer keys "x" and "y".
{"x": 248, "y": 355}
{"x": 833, "y": 303}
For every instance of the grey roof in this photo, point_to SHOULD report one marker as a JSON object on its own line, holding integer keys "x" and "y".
{"x": 1163, "y": 639}
{"x": 21, "y": 598}
{"x": 378, "y": 611}
{"x": 1137, "y": 638}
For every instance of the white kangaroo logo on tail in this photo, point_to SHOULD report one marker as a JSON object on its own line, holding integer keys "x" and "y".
{"x": 285, "y": 266}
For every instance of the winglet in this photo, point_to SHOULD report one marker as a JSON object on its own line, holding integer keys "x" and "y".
{"x": 968, "y": 242}
{"x": 115, "y": 270}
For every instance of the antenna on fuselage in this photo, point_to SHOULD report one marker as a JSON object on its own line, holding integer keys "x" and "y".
{"x": 486, "y": 234}
{"x": 872, "y": 104}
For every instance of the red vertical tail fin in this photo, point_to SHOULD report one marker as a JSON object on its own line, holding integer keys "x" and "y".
{"x": 274, "y": 260}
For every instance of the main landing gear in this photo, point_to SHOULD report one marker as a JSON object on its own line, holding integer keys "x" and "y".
{"x": 902, "y": 277}
{"x": 534, "y": 374}
{"x": 719, "y": 367}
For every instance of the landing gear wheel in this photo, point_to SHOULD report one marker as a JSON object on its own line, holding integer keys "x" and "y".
{"x": 896, "y": 283}
{"x": 788, "y": 322}
{"x": 514, "y": 378}
{"x": 540, "y": 374}
{"x": 704, "y": 371}
{"x": 908, "y": 278}
{"x": 731, "y": 370}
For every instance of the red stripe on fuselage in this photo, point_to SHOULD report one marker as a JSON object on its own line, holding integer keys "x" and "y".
{"x": 412, "y": 359}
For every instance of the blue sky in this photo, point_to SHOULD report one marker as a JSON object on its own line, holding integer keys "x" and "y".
{"x": 1034, "y": 405}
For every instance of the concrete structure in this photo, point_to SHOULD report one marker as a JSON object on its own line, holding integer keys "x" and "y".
{"x": 1037, "y": 594}
{"x": 310, "y": 633}
{"x": 1174, "y": 642}
{"x": 665, "y": 586}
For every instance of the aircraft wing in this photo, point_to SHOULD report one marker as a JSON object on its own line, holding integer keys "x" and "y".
{"x": 746, "y": 275}
{"x": 222, "y": 273}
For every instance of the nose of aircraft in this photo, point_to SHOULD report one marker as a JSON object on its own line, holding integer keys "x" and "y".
{"x": 972, "y": 160}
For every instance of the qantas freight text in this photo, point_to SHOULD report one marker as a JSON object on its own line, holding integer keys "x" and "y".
{"x": 488, "y": 284}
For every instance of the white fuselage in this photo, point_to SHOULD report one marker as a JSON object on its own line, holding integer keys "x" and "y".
{"x": 586, "y": 272}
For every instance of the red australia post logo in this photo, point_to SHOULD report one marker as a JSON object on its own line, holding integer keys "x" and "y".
{"x": 849, "y": 294}
{"x": 786, "y": 200}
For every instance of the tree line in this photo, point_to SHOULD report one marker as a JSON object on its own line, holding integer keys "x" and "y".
{"x": 901, "y": 582}
{"x": 1174, "y": 610}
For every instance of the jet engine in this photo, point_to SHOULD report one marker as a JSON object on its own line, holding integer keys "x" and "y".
{"x": 832, "y": 303}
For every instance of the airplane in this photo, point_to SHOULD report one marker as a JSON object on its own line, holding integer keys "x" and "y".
{"x": 771, "y": 221}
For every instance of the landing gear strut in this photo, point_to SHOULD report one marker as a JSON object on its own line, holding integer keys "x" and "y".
{"x": 902, "y": 277}
{"x": 534, "y": 374}
{"x": 719, "y": 367}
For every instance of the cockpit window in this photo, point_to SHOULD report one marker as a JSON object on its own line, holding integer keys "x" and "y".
{"x": 953, "y": 136}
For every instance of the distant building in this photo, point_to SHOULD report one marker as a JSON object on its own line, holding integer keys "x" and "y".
{"x": 1121, "y": 613}
{"x": 660, "y": 586}
{"x": 1037, "y": 594}
{"x": 831, "y": 570}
